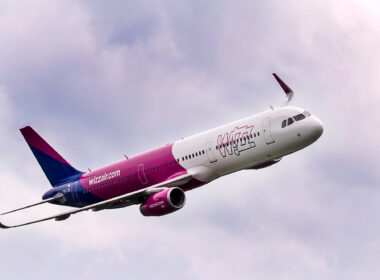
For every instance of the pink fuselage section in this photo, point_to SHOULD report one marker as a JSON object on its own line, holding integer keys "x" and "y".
{"x": 123, "y": 177}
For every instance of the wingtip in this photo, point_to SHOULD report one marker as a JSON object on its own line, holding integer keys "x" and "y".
{"x": 3, "y": 226}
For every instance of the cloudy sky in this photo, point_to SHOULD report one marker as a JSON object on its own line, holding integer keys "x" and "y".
{"x": 101, "y": 78}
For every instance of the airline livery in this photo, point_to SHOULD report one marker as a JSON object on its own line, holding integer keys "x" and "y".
{"x": 157, "y": 180}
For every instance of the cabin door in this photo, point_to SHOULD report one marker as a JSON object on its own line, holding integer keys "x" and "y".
{"x": 210, "y": 152}
{"x": 267, "y": 133}
{"x": 141, "y": 174}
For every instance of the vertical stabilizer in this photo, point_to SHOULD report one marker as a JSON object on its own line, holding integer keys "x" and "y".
{"x": 55, "y": 167}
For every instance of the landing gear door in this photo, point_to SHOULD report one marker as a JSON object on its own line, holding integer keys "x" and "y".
{"x": 210, "y": 152}
{"x": 267, "y": 133}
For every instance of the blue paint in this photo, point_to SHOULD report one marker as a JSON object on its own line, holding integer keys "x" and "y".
{"x": 74, "y": 195}
{"x": 56, "y": 171}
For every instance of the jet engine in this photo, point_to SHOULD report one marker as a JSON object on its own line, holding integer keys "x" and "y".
{"x": 163, "y": 202}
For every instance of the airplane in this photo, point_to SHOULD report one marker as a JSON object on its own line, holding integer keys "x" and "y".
{"x": 158, "y": 179}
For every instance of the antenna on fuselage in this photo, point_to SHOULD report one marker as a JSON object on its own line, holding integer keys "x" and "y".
{"x": 89, "y": 170}
{"x": 288, "y": 91}
{"x": 125, "y": 156}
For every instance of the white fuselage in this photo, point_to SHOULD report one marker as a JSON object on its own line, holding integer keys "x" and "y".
{"x": 246, "y": 143}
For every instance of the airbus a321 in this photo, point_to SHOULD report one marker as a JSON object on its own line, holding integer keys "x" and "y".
{"x": 158, "y": 179}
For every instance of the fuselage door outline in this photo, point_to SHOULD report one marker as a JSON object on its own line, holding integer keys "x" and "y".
{"x": 267, "y": 133}
{"x": 141, "y": 174}
{"x": 210, "y": 153}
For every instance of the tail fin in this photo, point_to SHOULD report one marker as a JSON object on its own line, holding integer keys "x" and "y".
{"x": 55, "y": 167}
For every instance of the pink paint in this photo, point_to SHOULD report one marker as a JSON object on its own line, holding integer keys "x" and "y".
{"x": 164, "y": 202}
{"x": 137, "y": 172}
{"x": 35, "y": 140}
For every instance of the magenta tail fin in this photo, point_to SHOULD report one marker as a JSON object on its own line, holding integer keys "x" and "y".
{"x": 55, "y": 167}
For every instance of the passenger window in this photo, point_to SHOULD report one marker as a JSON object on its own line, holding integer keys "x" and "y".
{"x": 299, "y": 117}
{"x": 290, "y": 121}
{"x": 283, "y": 123}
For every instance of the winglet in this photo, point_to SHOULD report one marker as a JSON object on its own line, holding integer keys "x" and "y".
{"x": 288, "y": 91}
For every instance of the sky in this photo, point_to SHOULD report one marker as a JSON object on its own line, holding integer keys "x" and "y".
{"x": 98, "y": 79}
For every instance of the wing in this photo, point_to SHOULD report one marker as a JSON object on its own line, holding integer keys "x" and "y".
{"x": 57, "y": 197}
{"x": 132, "y": 197}
{"x": 288, "y": 91}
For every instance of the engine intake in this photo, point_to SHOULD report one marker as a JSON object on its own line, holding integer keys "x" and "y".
{"x": 163, "y": 202}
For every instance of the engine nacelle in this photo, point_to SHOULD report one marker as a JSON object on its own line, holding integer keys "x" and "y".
{"x": 163, "y": 202}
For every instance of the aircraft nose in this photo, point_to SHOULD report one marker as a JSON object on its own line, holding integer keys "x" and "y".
{"x": 317, "y": 128}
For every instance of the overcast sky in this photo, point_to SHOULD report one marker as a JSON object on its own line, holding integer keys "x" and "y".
{"x": 99, "y": 79}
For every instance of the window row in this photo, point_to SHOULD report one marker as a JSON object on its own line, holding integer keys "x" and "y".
{"x": 159, "y": 166}
{"x": 193, "y": 155}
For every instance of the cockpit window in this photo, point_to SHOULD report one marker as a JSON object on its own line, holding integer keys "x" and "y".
{"x": 299, "y": 117}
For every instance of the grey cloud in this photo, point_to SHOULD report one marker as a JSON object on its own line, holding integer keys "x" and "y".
{"x": 99, "y": 79}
